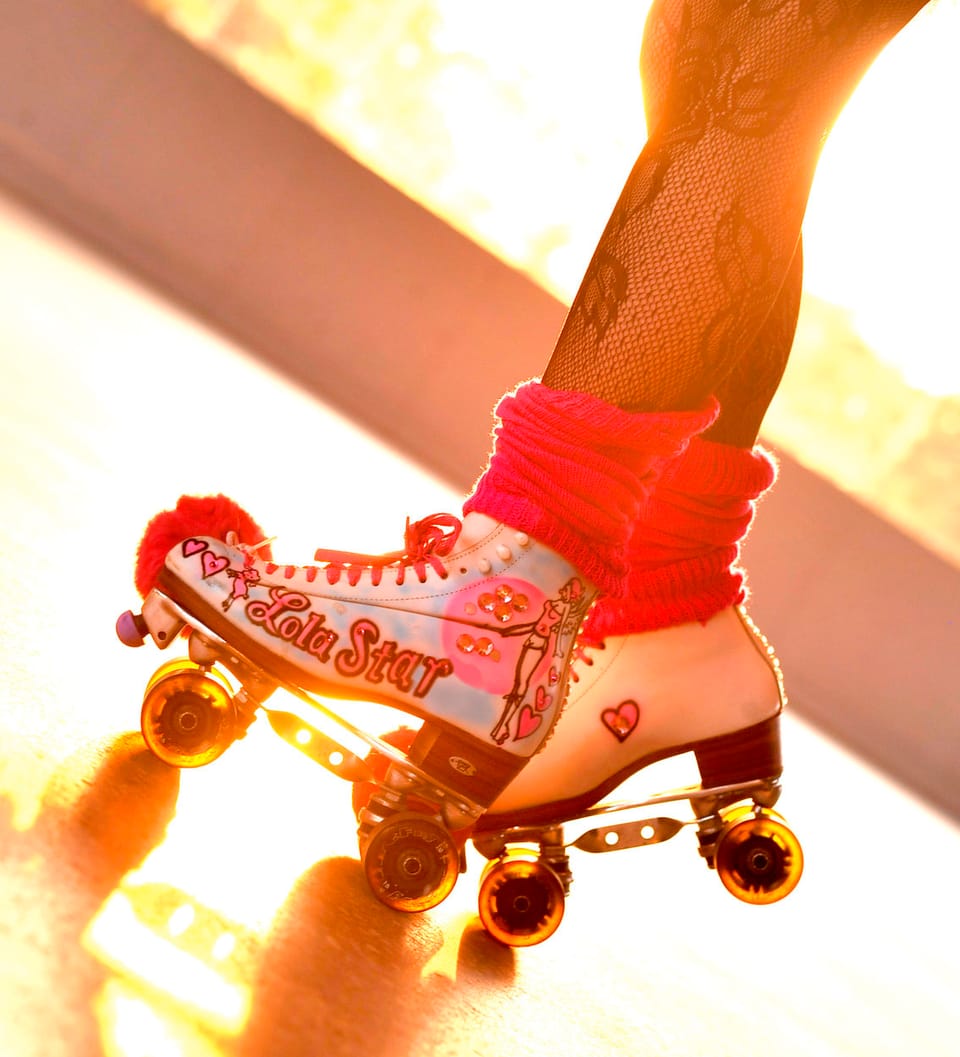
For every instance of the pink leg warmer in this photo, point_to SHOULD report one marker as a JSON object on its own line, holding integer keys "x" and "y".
{"x": 572, "y": 470}
{"x": 684, "y": 548}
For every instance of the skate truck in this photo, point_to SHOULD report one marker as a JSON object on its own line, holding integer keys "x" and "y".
{"x": 470, "y": 629}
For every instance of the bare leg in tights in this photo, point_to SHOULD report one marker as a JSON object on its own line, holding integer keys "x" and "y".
{"x": 702, "y": 249}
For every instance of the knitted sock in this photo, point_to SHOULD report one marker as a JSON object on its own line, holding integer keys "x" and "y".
{"x": 685, "y": 546}
{"x": 571, "y": 471}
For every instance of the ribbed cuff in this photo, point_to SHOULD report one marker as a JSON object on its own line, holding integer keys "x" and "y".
{"x": 572, "y": 471}
{"x": 683, "y": 552}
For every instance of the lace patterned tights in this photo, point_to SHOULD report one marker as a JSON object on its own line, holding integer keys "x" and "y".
{"x": 694, "y": 286}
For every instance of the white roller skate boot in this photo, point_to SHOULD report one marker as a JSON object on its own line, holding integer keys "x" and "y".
{"x": 470, "y": 627}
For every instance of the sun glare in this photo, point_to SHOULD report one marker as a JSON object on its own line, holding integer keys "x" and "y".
{"x": 185, "y": 931}
{"x": 884, "y": 221}
{"x": 132, "y": 1027}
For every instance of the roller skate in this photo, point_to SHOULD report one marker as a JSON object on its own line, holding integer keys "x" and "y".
{"x": 712, "y": 690}
{"x": 470, "y": 628}
{"x": 676, "y": 668}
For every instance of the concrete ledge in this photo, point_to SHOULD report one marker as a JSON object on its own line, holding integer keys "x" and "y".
{"x": 127, "y": 135}
{"x": 134, "y": 139}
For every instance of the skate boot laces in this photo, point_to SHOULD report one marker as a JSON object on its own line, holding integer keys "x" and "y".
{"x": 582, "y": 656}
{"x": 425, "y": 543}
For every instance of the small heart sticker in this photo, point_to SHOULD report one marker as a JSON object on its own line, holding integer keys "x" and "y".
{"x": 212, "y": 564}
{"x": 527, "y": 722}
{"x": 621, "y": 721}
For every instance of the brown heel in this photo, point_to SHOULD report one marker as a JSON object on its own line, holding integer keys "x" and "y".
{"x": 468, "y": 766}
{"x": 747, "y": 755}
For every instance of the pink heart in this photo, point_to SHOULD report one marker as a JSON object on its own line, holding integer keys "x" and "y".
{"x": 192, "y": 547}
{"x": 527, "y": 723}
{"x": 621, "y": 721}
{"x": 543, "y": 700}
{"x": 212, "y": 564}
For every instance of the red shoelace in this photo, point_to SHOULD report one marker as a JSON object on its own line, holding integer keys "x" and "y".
{"x": 425, "y": 543}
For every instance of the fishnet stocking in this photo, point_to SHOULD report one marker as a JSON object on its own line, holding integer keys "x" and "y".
{"x": 746, "y": 392}
{"x": 705, "y": 234}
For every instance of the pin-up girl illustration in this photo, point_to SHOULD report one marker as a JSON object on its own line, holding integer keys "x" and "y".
{"x": 559, "y": 618}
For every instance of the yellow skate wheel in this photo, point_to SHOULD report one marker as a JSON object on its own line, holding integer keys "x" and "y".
{"x": 188, "y": 717}
{"x": 521, "y": 899}
{"x": 411, "y": 862}
{"x": 758, "y": 858}
{"x": 171, "y": 667}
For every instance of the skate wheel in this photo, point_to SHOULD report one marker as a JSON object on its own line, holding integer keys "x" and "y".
{"x": 758, "y": 858}
{"x": 521, "y": 899}
{"x": 411, "y": 862}
{"x": 188, "y": 717}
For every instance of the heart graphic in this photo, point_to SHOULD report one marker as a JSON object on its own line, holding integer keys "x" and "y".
{"x": 212, "y": 564}
{"x": 621, "y": 721}
{"x": 553, "y": 677}
{"x": 543, "y": 700}
{"x": 527, "y": 722}
{"x": 192, "y": 547}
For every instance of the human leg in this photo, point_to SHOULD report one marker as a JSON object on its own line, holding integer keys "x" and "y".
{"x": 681, "y": 658}
{"x": 702, "y": 238}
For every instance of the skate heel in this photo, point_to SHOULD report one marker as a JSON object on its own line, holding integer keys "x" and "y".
{"x": 745, "y": 756}
{"x": 464, "y": 764}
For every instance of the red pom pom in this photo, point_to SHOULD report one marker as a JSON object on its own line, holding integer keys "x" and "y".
{"x": 212, "y": 515}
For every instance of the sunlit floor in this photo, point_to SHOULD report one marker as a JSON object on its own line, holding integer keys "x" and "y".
{"x": 222, "y": 911}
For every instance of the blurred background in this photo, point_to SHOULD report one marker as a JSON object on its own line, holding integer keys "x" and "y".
{"x": 517, "y": 123}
